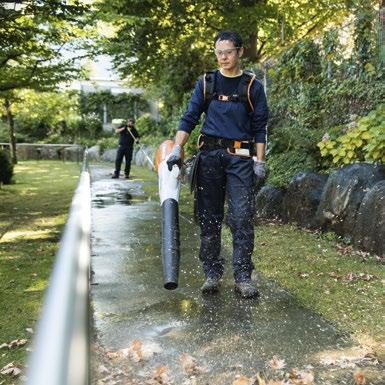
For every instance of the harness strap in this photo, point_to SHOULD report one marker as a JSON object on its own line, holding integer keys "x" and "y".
{"x": 242, "y": 95}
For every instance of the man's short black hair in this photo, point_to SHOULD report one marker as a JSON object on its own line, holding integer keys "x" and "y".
{"x": 229, "y": 35}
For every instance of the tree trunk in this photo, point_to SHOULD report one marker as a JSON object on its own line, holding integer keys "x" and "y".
{"x": 11, "y": 127}
{"x": 283, "y": 31}
{"x": 251, "y": 51}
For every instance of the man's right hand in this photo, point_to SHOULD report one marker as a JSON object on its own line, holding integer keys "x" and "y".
{"x": 175, "y": 157}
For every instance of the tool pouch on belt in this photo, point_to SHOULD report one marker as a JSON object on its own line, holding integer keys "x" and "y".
{"x": 243, "y": 149}
{"x": 193, "y": 175}
{"x": 192, "y": 179}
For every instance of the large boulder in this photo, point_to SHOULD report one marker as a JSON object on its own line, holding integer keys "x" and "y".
{"x": 369, "y": 232}
{"x": 25, "y": 152}
{"x": 94, "y": 153}
{"x": 302, "y": 198}
{"x": 109, "y": 155}
{"x": 140, "y": 156}
{"x": 343, "y": 194}
{"x": 71, "y": 153}
{"x": 269, "y": 203}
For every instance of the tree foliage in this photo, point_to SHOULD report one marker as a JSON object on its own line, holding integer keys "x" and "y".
{"x": 121, "y": 106}
{"x": 39, "y": 115}
{"x": 33, "y": 40}
{"x": 167, "y": 44}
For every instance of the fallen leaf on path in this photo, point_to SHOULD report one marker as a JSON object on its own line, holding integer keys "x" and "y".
{"x": 276, "y": 363}
{"x": 118, "y": 354}
{"x": 160, "y": 375}
{"x": 137, "y": 351}
{"x": 242, "y": 380}
{"x": 11, "y": 369}
{"x": 260, "y": 380}
{"x": 190, "y": 365}
{"x": 298, "y": 377}
{"x": 359, "y": 378}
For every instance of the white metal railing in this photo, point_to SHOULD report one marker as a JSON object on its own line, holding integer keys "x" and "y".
{"x": 60, "y": 352}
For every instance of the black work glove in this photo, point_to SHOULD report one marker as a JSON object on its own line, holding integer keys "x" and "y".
{"x": 175, "y": 157}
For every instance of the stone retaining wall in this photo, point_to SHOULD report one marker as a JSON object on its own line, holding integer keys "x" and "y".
{"x": 65, "y": 152}
{"x": 350, "y": 201}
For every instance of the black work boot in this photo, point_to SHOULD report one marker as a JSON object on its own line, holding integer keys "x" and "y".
{"x": 246, "y": 289}
{"x": 210, "y": 286}
{"x": 115, "y": 176}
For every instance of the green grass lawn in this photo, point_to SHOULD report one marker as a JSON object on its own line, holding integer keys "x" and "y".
{"x": 343, "y": 285}
{"x": 33, "y": 212}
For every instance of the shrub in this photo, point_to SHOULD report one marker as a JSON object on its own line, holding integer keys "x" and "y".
{"x": 282, "y": 167}
{"x": 147, "y": 126}
{"x": 107, "y": 143}
{"x": 362, "y": 141}
{"x": 89, "y": 126}
{"x": 6, "y": 168}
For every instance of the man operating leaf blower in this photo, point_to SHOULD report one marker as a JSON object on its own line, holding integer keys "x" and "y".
{"x": 231, "y": 156}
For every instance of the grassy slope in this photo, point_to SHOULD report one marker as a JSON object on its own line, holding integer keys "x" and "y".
{"x": 32, "y": 214}
{"x": 326, "y": 278}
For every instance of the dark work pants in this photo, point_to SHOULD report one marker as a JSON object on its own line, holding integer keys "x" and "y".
{"x": 221, "y": 174}
{"x": 126, "y": 152}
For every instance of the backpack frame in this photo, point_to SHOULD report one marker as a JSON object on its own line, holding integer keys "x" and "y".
{"x": 242, "y": 94}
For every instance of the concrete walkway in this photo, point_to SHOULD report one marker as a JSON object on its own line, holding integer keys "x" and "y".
{"x": 145, "y": 334}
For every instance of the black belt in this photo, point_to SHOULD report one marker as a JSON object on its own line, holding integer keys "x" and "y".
{"x": 207, "y": 142}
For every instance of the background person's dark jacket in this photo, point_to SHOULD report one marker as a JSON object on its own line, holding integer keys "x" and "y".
{"x": 125, "y": 138}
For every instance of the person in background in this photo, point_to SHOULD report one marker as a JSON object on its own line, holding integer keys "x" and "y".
{"x": 231, "y": 156}
{"x": 128, "y": 136}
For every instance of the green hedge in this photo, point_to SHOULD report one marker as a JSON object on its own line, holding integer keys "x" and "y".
{"x": 6, "y": 168}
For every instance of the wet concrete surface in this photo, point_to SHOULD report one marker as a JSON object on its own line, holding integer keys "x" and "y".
{"x": 225, "y": 334}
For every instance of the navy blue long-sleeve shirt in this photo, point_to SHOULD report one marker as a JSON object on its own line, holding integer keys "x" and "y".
{"x": 230, "y": 119}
